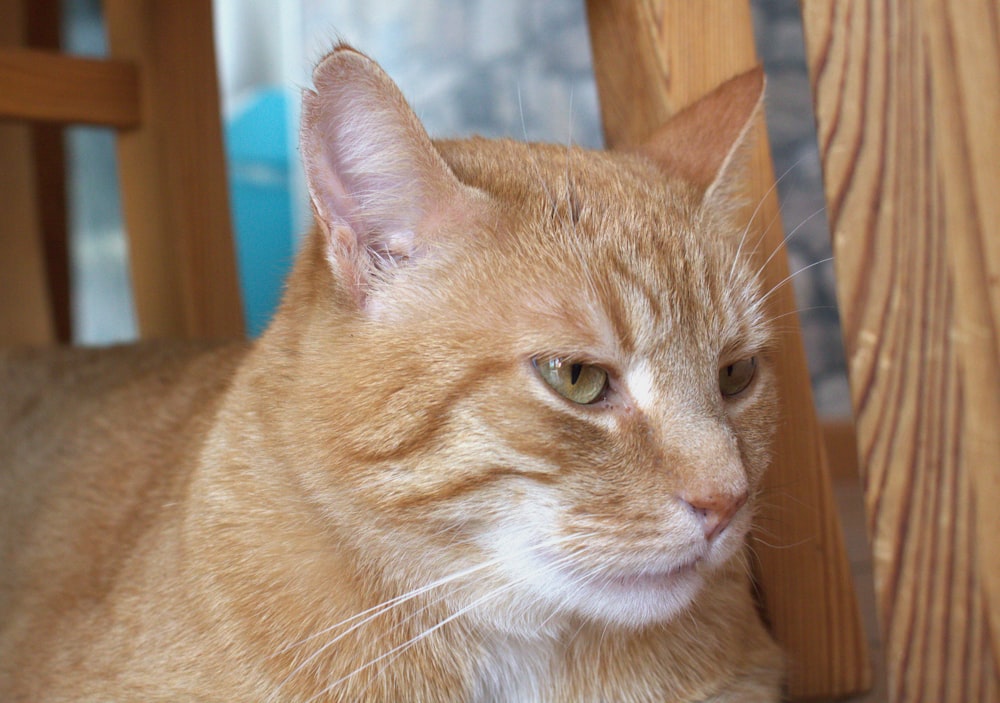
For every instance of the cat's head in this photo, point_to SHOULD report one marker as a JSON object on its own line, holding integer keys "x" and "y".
{"x": 539, "y": 369}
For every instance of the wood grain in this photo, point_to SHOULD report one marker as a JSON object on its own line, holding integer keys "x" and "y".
{"x": 652, "y": 58}
{"x": 46, "y": 86}
{"x": 908, "y": 108}
{"x": 25, "y": 314}
{"x": 173, "y": 178}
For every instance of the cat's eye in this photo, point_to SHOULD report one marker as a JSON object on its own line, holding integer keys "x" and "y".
{"x": 736, "y": 377}
{"x": 579, "y": 382}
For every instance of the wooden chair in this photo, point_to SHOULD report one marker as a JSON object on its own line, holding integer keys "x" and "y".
{"x": 908, "y": 112}
{"x": 158, "y": 89}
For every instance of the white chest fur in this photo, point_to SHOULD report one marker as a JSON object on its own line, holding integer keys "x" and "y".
{"x": 516, "y": 670}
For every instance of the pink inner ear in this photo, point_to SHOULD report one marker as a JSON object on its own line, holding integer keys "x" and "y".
{"x": 372, "y": 171}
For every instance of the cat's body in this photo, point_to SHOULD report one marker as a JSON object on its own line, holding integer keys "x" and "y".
{"x": 383, "y": 498}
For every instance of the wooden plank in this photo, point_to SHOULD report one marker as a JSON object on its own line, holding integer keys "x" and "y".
{"x": 173, "y": 177}
{"x": 24, "y": 301}
{"x": 966, "y": 81}
{"x": 651, "y": 58}
{"x": 44, "y": 31}
{"x": 25, "y": 316}
{"x": 840, "y": 440}
{"x": 907, "y": 110}
{"x": 43, "y": 85}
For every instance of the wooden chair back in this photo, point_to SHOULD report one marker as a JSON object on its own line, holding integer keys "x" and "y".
{"x": 158, "y": 90}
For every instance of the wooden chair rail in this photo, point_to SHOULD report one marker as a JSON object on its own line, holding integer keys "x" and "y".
{"x": 47, "y": 86}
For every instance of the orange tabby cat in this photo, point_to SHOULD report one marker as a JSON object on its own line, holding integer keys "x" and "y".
{"x": 500, "y": 443}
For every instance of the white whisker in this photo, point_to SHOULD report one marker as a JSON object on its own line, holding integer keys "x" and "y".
{"x": 359, "y": 620}
{"x": 753, "y": 216}
{"x": 534, "y": 163}
{"x": 791, "y": 276}
{"x": 811, "y": 308}
{"x": 482, "y": 634}
{"x": 787, "y": 237}
{"x": 413, "y": 640}
{"x": 398, "y": 649}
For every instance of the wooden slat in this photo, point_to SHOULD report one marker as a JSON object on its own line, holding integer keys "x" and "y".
{"x": 964, "y": 49}
{"x": 908, "y": 108}
{"x": 652, "y": 58}
{"x": 44, "y": 31}
{"x": 840, "y": 440}
{"x": 24, "y": 296}
{"x": 173, "y": 178}
{"x": 42, "y": 85}
{"x": 25, "y": 317}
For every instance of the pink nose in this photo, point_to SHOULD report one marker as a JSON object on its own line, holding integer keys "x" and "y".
{"x": 714, "y": 510}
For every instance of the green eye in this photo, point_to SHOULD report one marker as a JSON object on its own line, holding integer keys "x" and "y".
{"x": 734, "y": 378}
{"x": 581, "y": 383}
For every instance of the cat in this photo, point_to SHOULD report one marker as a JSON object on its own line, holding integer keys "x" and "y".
{"x": 501, "y": 441}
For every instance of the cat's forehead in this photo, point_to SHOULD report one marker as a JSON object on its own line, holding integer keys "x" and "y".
{"x": 546, "y": 174}
{"x": 618, "y": 252}
{"x": 601, "y": 205}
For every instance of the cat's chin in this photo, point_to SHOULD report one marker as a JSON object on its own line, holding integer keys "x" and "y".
{"x": 639, "y": 599}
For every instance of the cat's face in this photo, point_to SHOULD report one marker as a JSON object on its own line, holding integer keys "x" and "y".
{"x": 560, "y": 390}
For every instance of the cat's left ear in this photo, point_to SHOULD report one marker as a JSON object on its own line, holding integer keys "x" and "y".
{"x": 704, "y": 142}
{"x": 375, "y": 179}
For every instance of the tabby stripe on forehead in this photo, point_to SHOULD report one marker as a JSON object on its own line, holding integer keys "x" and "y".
{"x": 631, "y": 282}
{"x": 617, "y": 310}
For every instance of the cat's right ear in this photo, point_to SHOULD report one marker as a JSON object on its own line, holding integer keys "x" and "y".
{"x": 374, "y": 176}
{"x": 705, "y": 142}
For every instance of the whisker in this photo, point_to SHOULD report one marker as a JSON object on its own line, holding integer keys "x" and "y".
{"x": 366, "y": 616}
{"x": 373, "y": 613}
{"x": 413, "y": 640}
{"x": 787, "y": 237}
{"x": 753, "y": 216}
{"x": 376, "y": 610}
{"x": 482, "y": 635}
{"x": 534, "y": 163}
{"x": 434, "y": 628}
{"x": 789, "y": 277}
{"x": 800, "y": 543}
{"x": 571, "y": 203}
{"x": 811, "y": 308}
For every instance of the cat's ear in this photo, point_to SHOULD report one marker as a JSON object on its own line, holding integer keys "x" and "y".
{"x": 372, "y": 172}
{"x": 704, "y": 142}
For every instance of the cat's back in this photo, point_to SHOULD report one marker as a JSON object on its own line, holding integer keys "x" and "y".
{"x": 95, "y": 402}
{"x": 92, "y": 444}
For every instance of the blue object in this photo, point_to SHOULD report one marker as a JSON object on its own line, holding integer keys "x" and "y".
{"x": 261, "y": 202}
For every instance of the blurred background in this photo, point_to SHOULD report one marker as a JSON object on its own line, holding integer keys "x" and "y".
{"x": 520, "y": 68}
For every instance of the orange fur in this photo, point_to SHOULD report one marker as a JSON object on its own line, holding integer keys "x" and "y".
{"x": 381, "y": 499}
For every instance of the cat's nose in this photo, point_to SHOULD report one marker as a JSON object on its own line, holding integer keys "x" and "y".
{"x": 714, "y": 510}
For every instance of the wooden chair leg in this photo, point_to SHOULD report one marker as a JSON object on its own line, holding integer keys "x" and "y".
{"x": 907, "y": 105}
{"x": 180, "y": 248}
{"x": 651, "y": 58}
{"x": 25, "y": 316}
{"x": 43, "y": 32}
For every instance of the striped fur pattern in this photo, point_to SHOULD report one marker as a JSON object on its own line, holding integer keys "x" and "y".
{"x": 383, "y": 499}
